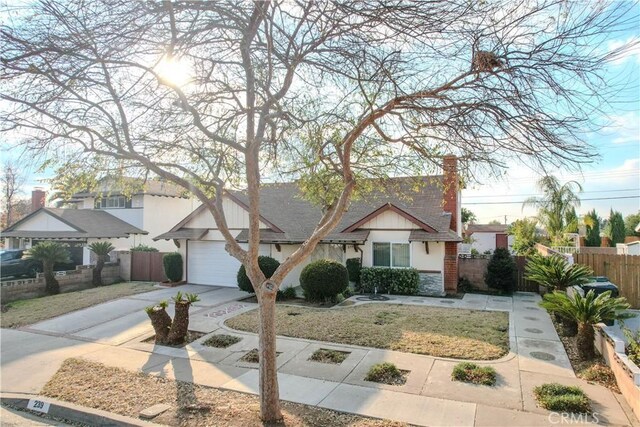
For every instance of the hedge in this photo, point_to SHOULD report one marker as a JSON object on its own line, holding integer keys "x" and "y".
{"x": 354, "y": 267}
{"x": 172, "y": 263}
{"x": 399, "y": 281}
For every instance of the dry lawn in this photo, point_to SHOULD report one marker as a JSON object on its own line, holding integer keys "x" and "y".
{"x": 127, "y": 393}
{"x": 29, "y": 311}
{"x": 442, "y": 332}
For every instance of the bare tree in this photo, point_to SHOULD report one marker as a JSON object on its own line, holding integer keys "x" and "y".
{"x": 12, "y": 182}
{"x": 212, "y": 94}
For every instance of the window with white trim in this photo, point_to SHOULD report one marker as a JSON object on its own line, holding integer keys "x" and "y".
{"x": 387, "y": 254}
{"x": 113, "y": 202}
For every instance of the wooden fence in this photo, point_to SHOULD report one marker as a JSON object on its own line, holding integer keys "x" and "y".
{"x": 474, "y": 267}
{"x": 622, "y": 270}
{"x": 147, "y": 266}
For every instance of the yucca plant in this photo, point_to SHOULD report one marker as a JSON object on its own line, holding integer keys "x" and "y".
{"x": 586, "y": 311}
{"x": 49, "y": 253}
{"x": 102, "y": 250}
{"x": 555, "y": 272}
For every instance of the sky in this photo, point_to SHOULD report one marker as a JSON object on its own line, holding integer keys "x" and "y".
{"x": 611, "y": 182}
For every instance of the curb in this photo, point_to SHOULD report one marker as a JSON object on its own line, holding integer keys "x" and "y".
{"x": 69, "y": 411}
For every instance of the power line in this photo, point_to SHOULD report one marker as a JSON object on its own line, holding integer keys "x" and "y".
{"x": 540, "y": 195}
{"x": 521, "y": 202}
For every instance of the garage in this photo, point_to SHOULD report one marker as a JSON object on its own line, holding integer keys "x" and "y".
{"x": 208, "y": 263}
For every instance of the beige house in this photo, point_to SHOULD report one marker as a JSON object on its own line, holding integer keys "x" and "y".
{"x": 406, "y": 222}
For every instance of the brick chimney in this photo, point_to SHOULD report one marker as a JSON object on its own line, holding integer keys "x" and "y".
{"x": 38, "y": 197}
{"x": 450, "y": 204}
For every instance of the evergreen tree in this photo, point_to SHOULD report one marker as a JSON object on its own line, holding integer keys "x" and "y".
{"x": 616, "y": 231}
{"x": 592, "y": 224}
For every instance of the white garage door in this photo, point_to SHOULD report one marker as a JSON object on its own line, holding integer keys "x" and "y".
{"x": 209, "y": 264}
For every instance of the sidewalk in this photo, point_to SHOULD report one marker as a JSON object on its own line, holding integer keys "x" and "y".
{"x": 428, "y": 398}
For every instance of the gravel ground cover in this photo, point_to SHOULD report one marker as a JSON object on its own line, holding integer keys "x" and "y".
{"x": 123, "y": 392}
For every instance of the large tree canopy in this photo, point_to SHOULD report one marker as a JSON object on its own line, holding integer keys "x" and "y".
{"x": 209, "y": 94}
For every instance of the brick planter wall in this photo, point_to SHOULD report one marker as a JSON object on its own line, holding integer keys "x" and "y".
{"x": 71, "y": 280}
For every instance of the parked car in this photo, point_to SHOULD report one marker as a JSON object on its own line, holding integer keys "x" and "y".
{"x": 12, "y": 263}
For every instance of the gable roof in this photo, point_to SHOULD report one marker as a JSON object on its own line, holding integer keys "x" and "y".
{"x": 293, "y": 218}
{"x": 487, "y": 228}
{"x": 87, "y": 223}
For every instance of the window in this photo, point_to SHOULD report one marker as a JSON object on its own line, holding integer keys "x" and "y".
{"x": 113, "y": 202}
{"x": 391, "y": 255}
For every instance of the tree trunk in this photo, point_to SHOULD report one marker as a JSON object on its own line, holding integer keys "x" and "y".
{"x": 585, "y": 341}
{"x": 161, "y": 322}
{"x": 269, "y": 393}
{"x": 97, "y": 271}
{"x": 52, "y": 286}
{"x": 180, "y": 325}
{"x": 569, "y": 327}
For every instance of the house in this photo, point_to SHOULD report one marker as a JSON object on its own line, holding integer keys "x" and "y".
{"x": 488, "y": 237}
{"x": 405, "y": 222}
{"x": 126, "y": 220}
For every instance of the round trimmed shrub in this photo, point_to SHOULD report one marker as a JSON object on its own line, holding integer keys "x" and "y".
{"x": 172, "y": 263}
{"x": 268, "y": 266}
{"x": 324, "y": 279}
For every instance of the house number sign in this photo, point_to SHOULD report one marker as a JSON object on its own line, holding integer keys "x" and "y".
{"x": 38, "y": 405}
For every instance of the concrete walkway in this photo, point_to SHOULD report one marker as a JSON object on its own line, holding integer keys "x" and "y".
{"x": 112, "y": 333}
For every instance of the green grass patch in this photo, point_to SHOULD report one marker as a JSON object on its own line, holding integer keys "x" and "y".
{"x": 435, "y": 331}
{"x": 29, "y": 311}
{"x": 387, "y": 373}
{"x": 253, "y": 356}
{"x": 325, "y": 355}
{"x": 221, "y": 341}
{"x": 562, "y": 398}
{"x": 471, "y": 373}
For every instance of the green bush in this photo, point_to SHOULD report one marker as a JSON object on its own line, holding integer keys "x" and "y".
{"x": 353, "y": 267}
{"x": 501, "y": 271}
{"x": 562, "y": 398}
{"x": 399, "y": 281}
{"x": 172, "y": 263}
{"x": 268, "y": 266}
{"x": 289, "y": 293}
{"x": 471, "y": 373}
{"x": 324, "y": 279}
{"x": 143, "y": 248}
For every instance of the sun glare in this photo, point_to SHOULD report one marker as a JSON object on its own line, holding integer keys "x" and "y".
{"x": 174, "y": 71}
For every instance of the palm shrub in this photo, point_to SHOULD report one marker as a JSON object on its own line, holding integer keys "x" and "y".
{"x": 172, "y": 263}
{"x": 555, "y": 272}
{"x": 267, "y": 265}
{"x": 101, "y": 249}
{"x": 501, "y": 271}
{"x": 586, "y": 311}
{"x": 49, "y": 253}
{"x": 171, "y": 332}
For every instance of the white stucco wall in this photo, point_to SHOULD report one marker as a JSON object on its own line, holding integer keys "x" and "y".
{"x": 88, "y": 203}
{"x": 134, "y": 216}
{"x": 420, "y": 259}
{"x": 44, "y": 221}
{"x": 160, "y": 214}
{"x": 321, "y": 252}
{"x": 237, "y": 217}
{"x": 487, "y": 241}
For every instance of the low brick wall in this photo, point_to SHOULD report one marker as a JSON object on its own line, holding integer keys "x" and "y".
{"x": 626, "y": 373}
{"x": 71, "y": 280}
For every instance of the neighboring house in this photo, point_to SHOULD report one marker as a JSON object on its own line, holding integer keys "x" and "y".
{"x": 488, "y": 237}
{"x": 631, "y": 248}
{"x": 75, "y": 227}
{"x": 107, "y": 214}
{"x": 398, "y": 225}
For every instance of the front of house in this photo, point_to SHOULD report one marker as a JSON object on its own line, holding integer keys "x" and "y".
{"x": 405, "y": 222}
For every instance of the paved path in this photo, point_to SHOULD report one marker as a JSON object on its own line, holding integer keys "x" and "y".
{"x": 112, "y": 333}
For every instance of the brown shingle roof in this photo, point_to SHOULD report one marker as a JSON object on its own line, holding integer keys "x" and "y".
{"x": 487, "y": 228}
{"x": 87, "y": 223}
{"x": 152, "y": 187}
{"x": 296, "y": 218}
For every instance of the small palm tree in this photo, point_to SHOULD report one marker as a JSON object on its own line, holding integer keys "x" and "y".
{"x": 49, "y": 253}
{"x": 555, "y": 272}
{"x": 586, "y": 311}
{"x": 101, "y": 249}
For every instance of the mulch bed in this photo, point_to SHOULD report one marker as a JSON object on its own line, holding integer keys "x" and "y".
{"x": 127, "y": 393}
{"x": 594, "y": 370}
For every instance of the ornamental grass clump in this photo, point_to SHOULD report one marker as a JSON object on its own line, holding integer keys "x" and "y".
{"x": 562, "y": 398}
{"x": 471, "y": 373}
{"x": 221, "y": 341}
{"x": 386, "y": 373}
